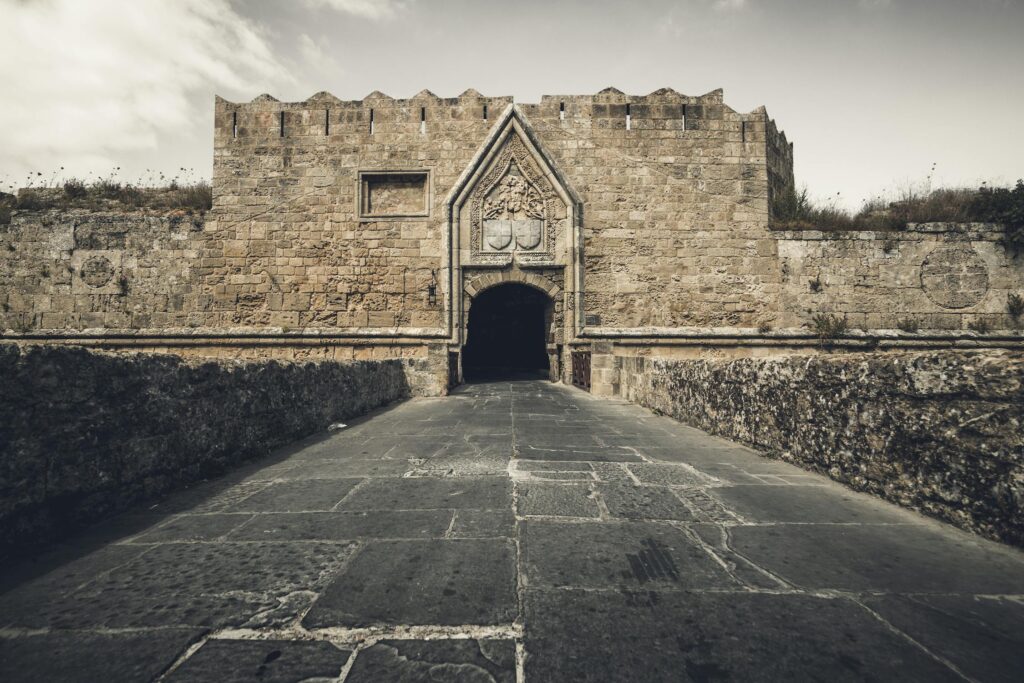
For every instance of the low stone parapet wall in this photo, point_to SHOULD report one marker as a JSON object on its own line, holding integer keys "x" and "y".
{"x": 940, "y": 432}
{"x": 84, "y": 433}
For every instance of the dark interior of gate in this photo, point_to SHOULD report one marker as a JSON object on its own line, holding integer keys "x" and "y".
{"x": 506, "y": 335}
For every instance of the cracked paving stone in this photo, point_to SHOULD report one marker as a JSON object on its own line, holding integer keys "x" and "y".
{"x": 89, "y": 657}
{"x": 297, "y": 496}
{"x": 186, "y": 584}
{"x": 644, "y": 502}
{"x": 610, "y": 472}
{"x": 815, "y": 504}
{"x": 340, "y": 526}
{"x": 669, "y": 475}
{"x": 483, "y": 524}
{"x": 706, "y": 508}
{"x": 411, "y": 661}
{"x": 468, "y": 465}
{"x": 556, "y": 500}
{"x": 267, "y": 661}
{"x": 574, "y": 635}
{"x": 983, "y": 637}
{"x": 716, "y": 537}
{"x": 194, "y": 528}
{"x": 905, "y": 559}
{"x": 617, "y": 554}
{"x": 444, "y": 582}
{"x": 431, "y": 493}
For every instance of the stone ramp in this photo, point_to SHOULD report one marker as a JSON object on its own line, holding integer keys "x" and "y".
{"x": 511, "y": 531}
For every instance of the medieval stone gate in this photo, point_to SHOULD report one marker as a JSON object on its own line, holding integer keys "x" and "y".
{"x": 513, "y": 218}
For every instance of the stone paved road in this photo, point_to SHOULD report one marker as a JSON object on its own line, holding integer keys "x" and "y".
{"x": 511, "y": 531}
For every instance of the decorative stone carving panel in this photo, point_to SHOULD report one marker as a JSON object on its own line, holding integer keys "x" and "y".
{"x": 515, "y": 212}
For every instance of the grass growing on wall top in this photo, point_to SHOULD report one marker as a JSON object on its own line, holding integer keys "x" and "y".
{"x": 153, "y": 191}
{"x": 1003, "y": 205}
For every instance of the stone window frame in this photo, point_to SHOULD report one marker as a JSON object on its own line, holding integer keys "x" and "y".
{"x": 361, "y": 189}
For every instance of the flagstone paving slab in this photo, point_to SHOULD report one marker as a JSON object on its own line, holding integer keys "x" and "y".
{"x": 449, "y": 582}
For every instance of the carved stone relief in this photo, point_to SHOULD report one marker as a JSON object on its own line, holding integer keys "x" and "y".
{"x": 954, "y": 277}
{"x": 514, "y": 211}
{"x": 97, "y": 271}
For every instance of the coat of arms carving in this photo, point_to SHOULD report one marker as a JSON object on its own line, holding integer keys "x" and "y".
{"x": 513, "y": 208}
{"x": 514, "y": 211}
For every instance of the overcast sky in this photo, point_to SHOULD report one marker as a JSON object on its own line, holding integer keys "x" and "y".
{"x": 873, "y": 92}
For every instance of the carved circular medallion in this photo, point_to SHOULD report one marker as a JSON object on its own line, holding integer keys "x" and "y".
{"x": 954, "y": 276}
{"x": 97, "y": 271}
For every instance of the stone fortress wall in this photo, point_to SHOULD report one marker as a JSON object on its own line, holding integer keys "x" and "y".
{"x": 335, "y": 234}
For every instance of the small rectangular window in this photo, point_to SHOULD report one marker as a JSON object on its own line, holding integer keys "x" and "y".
{"x": 423, "y": 119}
{"x": 561, "y": 111}
{"x": 234, "y": 124}
{"x": 282, "y": 124}
{"x": 371, "y": 122}
{"x": 628, "y": 118}
{"x": 327, "y": 121}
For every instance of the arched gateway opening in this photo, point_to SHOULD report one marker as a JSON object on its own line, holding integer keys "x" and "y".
{"x": 506, "y": 335}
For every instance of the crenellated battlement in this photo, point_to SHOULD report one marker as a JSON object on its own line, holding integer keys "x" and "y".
{"x": 323, "y": 114}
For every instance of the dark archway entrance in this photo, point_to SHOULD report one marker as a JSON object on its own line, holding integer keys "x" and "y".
{"x": 506, "y": 335}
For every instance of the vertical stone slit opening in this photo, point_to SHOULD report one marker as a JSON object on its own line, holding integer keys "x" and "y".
{"x": 628, "y": 118}
{"x": 234, "y": 124}
{"x": 281, "y": 117}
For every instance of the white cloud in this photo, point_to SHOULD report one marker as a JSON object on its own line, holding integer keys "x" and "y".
{"x": 729, "y": 5}
{"x": 369, "y": 9}
{"x": 87, "y": 82}
{"x": 316, "y": 58}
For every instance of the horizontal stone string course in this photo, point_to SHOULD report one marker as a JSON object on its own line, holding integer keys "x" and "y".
{"x": 939, "y": 432}
{"x": 84, "y": 434}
